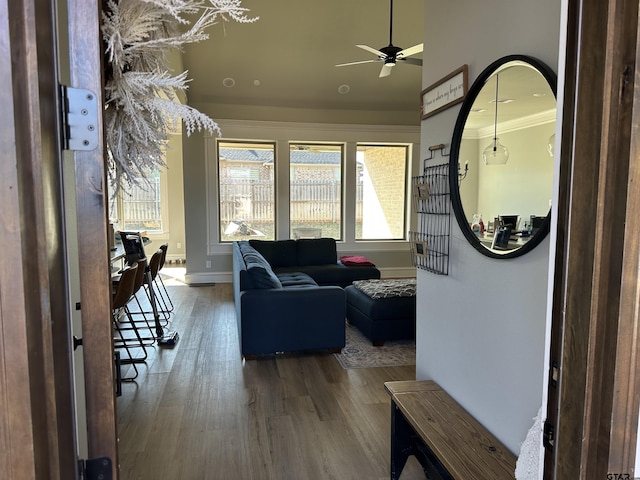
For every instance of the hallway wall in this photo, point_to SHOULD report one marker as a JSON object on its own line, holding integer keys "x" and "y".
{"x": 481, "y": 329}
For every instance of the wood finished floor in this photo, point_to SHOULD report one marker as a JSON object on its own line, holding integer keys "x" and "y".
{"x": 197, "y": 411}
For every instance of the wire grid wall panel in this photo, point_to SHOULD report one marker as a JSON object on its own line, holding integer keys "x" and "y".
{"x": 431, "y": 202}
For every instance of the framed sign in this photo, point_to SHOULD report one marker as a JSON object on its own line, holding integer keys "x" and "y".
{"x": 445, "y": 93}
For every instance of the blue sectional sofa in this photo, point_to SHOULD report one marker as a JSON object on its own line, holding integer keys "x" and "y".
{"x": 285, "y": 306}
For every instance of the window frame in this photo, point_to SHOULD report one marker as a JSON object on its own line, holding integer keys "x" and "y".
{"x": 226, "y": 141}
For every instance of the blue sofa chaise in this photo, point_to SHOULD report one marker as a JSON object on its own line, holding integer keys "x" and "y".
{"x": 283, "y": 313}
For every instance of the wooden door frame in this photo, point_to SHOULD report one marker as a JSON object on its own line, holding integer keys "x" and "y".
{"x": 37, "y": 420}
{"x": 595, "y": 306}
{"x": 86, "y": 72}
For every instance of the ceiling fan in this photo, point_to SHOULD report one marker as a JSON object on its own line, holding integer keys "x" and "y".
{"x": 390, "y": 54}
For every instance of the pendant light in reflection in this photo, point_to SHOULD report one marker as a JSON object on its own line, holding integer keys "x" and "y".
{"x": 496, "y": 153}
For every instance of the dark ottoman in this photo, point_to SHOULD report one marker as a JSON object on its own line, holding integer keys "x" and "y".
{"x": 383, "y": 309}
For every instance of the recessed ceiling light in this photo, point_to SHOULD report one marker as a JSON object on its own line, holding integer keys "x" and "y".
{"x": 478, "y": 110}
{"x": 228, "y": 82}
{"x": 344, "y": 89}
{"x": 256, "y": 83}
{"x": 539, "y": 94}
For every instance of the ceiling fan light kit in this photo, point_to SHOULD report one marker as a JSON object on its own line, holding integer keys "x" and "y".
{"x": 390, "y": 54}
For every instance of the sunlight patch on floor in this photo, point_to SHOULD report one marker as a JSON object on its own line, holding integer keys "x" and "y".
{"x": 173, "y": 275}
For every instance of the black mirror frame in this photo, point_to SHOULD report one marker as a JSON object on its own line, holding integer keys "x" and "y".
{"x": 456, "y": 201}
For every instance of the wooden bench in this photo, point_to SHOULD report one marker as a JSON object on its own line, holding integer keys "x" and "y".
{"x": 447, "y": 441}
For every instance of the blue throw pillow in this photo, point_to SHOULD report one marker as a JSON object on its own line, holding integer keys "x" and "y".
{"x": 259, "y": 270}
{"x": 263, "y": 278}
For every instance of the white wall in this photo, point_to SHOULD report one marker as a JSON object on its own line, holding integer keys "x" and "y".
{"x": 481, "y": 329}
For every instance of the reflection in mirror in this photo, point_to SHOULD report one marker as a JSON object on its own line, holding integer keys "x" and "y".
{"x": 502, "y": 198}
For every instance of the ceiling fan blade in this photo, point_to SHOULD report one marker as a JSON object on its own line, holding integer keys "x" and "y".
{"x": 412, "y": 61}
{"x": 371, "y": 50}
{"x": 356, "y": 63}
{"x": 385, "y": 71}
{"x": 407, "y": 52}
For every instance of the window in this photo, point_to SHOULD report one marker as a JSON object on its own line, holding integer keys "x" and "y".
{"x": 380, "y": 189}
{"x": 315, "y": 190}
{"x": 139, "y": 207}
{"x": 246, "y": 196}
{"x": 322, "y": 194}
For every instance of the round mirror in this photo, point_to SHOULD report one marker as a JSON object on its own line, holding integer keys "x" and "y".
{"x": 501, "y": 168}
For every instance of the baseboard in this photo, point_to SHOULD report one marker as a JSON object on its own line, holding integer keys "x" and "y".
{"x": 401, "y": 272}
{"x": 204, "y": 278}
{"x": 175, "y": 259}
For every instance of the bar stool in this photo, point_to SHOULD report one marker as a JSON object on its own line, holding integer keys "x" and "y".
{"x": 134, "y": 248}
{"x": 151, "y": 280}
{"x": 121, "y": 296}
{"x": 164, "y": 247}
{"x": 139, "y": 282}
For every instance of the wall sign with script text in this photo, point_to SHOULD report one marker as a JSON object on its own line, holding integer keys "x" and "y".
{"x": 445, "y": 93}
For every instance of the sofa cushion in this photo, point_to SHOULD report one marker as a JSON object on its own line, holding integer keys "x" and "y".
{"x": 317, "y": 251}
{"x": 263, "y": 278}
{"x": 279, "y": 253}
{"x": 259, "y": 270}
{"x": 296, "y": 279}
{"x": 334, "y": 274}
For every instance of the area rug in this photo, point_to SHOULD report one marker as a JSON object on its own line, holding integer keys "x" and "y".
{"x": 359, "y": 353}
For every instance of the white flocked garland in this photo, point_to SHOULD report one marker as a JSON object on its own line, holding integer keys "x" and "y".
{"x": 142, "y": 107}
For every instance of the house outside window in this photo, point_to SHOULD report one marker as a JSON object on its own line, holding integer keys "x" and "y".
{"x": 381, "y": 183}
{"x": 315, "y": 200}
{"x": 246, "y": 198}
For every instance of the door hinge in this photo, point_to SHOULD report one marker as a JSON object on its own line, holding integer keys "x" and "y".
{"x": 548, "y": 435}
{"x": 95, "y": 469}
{"x": 79, "y": 117}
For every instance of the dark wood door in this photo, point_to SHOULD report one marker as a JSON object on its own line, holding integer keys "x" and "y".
{"x": 36, "y": 397}
{"x": 37, "y": 419}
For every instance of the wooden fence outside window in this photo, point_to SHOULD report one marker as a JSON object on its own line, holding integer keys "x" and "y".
{"x": 310, "y": 202}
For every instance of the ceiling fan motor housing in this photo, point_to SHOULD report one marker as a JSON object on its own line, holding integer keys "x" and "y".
{"x": 390, "y": 53}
